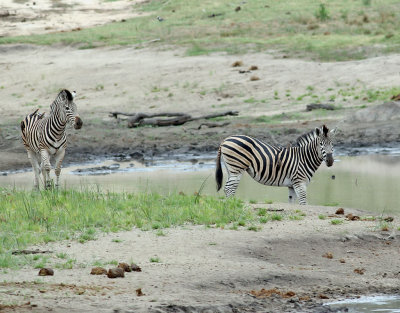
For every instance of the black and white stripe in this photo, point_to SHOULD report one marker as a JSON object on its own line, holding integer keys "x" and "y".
{"x": 271, "y": 165}
{"x": 45, "y": 136}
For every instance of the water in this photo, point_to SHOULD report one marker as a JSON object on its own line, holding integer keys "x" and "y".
{"x": 390, "y": 304}
{"x": 368, "y": 182}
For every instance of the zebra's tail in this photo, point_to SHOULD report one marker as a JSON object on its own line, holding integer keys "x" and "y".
{"x": 218, "y": 170}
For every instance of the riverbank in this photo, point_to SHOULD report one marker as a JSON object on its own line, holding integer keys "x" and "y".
{"x": 295, "y": 262}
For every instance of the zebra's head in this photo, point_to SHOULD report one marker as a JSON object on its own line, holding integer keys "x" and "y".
{"x": 325, "y": 137}
{"x": 68, "y": 108}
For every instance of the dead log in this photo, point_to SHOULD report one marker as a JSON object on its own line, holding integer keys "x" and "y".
{"x": 177, "y": 118}
{"x": 37, "y": 251}
{"x": 316, "y": 106}
{"x": 212, "y": 125}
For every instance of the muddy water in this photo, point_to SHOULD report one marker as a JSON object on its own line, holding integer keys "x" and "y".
{"x": 389, "y": 304}
{"x": 369, "y": 182}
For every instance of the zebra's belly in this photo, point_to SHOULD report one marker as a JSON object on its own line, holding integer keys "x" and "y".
{"x": 285, "y": 182}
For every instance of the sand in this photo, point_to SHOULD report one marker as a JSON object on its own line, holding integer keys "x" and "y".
{"x": 219, "y": 270}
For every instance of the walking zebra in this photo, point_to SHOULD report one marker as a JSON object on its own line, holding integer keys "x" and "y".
{"x": 291, "y": 166}
{"x": 46, "y": 136}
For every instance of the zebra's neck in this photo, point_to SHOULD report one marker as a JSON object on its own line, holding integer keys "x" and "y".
{"x": 55, "y": 125}
{"x": 309, "y": 156}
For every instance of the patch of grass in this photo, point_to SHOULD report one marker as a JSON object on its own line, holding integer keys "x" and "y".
{"x": 331, "y": 204}
{"x": 160, "y": 233}
{"x": 253, "y": 228}
{"x": 276, "y": 216}
{"x": 322, "y": 216}
{"x": 116, "y": 240}
{"x": 336, "y": 221}
{"x": 155, "y": 259}
{"x": 326, "y": 31}
{"x": 28, "y": 218}
{"x": 61, "y": 255}
{"x": 69, "y": 264}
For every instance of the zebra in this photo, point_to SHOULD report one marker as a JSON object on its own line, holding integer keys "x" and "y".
{"x": 45, "y": 136}
{"x": 272, "y": 165}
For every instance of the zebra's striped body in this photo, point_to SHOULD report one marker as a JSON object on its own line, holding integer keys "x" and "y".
{"x": 271, "y": 165}
{"x": 45, "y": 136}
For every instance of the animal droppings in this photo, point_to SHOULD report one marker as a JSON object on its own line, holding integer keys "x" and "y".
{"x": 125, "y": 267}
{"x": 46, "y": 272}
{"x": 339, "y": 211}
{"x": 115, "y": 272}
{"x": 237, "y": 63}
{"x": 139, "y": 292}
{"x": 98, "y": 271}
{"x": 135, "y": 268}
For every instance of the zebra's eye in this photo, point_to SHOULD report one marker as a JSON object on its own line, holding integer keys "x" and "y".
{"x": 67, "y": 108}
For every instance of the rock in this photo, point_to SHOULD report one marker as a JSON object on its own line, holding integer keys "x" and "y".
{"x": 125, "y": 267}
{"x": 98, "y": 271}
{"x": 342, "y": 261}
{"x": 352, "y": 217}
{"x": 46, "y": 272}
{"x": 360, "y": 271}
{"x": 139, "y": 292}
{"x": 115, "y": 272}
{"x": 135, "y": 268}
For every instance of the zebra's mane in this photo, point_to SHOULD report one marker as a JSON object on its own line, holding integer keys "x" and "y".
{"x": 305, "y": 138}
{"x": 66, "y": 94}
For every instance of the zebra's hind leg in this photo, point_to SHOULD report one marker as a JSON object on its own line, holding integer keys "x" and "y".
{"x": 231, "y": 184}
{"x": 301, "y": 192}
{"x": 46, "y": 167}
{"x": 59, "y": 157}
{"x": 32, "y": 156}
{"x": 292, "y": 195}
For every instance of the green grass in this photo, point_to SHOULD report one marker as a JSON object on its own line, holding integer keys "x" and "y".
{"x": 330, "y": 30}
{"x": 28, "y": 218}
{"x": 155, "y": 259}
{"x": 336, "y": 222}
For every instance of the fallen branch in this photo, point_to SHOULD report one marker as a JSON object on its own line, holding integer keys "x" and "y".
{"x": 212, "y": 125}
{"x": 37, "y": 251}
{"x": 316, "y": 106}
{"x": 177, "y": 118}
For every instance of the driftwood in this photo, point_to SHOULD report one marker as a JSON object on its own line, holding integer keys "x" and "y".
{"x": 173, "y": 119}
{"x": 315, "y": 106}
{"x": 37, "y": 251}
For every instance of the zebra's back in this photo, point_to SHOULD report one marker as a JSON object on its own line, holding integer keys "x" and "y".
{"x": 264, "y": 162}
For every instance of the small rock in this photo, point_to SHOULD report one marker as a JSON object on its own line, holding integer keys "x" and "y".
{"x": 46, "y": 272}
{"x": 98, "y": 271}
{"x": 328, "y": 255}
{"x": 352, "y": 217}
{"x": 135, "y": 268}
{"x": 322, "y": 296}
{"x": 139, "y": 292}
{"x": 342, "y": 261}
{"x": 125, "y": 267}
{"x": 388, "y": 219}
{"x": 238, "y": 8}
{"x": 115, "y": 272}
{"x": 254, "y": 78}
{"x": 339, "y": 211}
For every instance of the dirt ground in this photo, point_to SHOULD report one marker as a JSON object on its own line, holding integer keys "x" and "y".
{"x": 303, "y": 263}
{"x": 201, "y": 270}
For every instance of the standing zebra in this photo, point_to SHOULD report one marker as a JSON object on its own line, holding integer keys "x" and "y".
{"x": 46, "y": 136}
{"x": 271, "y": 165}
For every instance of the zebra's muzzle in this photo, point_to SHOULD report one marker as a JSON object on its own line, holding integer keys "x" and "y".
{"x": 78, "y": 122}
{"x": 329, "y": 159}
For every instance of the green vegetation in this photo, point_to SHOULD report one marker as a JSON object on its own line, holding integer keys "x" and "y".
{"x": 334, "y": 30}
{"x": 155, "y": 259}
{"x": 28, "y": 218}
{"x": 322, "y": 216}
{"x": 336, "y": 221}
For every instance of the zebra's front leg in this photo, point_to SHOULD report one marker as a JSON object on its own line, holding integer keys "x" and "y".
{"x": 231, "y": 184}
{"x": 59, "y": 157}
{"x": 32, "y": 156}
{"x": 292, "y": 195}
{"x": 46, "y": 167}
{"x": 301, "y": 192}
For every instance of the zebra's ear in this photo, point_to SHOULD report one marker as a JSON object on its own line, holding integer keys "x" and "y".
{"x": 333, "y": 131}
{"x": 317, "y": 131}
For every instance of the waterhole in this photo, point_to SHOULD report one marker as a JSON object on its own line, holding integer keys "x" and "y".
{"x": 368, "y": 182}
